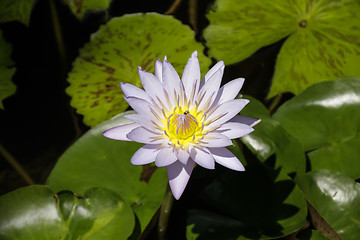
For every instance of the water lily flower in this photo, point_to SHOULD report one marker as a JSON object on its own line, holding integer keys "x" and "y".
{"x": 184, "y": 121}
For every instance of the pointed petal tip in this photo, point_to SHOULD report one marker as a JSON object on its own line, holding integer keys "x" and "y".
{"x": 255, "y": 123}
{"x": 194, "y": 54}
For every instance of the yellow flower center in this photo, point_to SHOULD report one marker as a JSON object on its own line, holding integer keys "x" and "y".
{"x": 183, "y": 128}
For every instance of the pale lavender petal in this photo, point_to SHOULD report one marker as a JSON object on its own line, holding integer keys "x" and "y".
{"x": 208, "y": 92}
{"x": 133, "y": 91}
{"x": 147, "y": 122}
{"x": 141, "y": 106}
{"x": 224, "y": 157}
{"x": 152, "y": 85}
{"x": 158, "y": 69}
{"x": 229, "y": 91}
{"x": 209, "y": 74}
{"x": 182, "y": 155}
{"x": 143, "y": 135}
{"x": 251, "y": 121}
{"x": 179, "y": 175}
{"x": 171, "y": 81}
{"x": 234, "y": 129}
{"x": 146, "y": 154}
{"x": 120, "y": 132}
{"x": 203, "y": 157}
{"x": 191, "y": 75}
{"x": 165, "y": 157}
{"x": 215, "y": 139}
{"x": 225, "y": 112}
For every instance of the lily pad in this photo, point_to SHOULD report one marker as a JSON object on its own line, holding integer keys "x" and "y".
{"x": 7, "y": 87}
{"x": 336, "y": 198}
{"x": 79, "y": 7}
{"x": 270, "y": 138}
{"x": 16, "y": 10}
{"x": 36, "y": 212}
{"x": 323, "y": 38}
{"x": 260, "y": 203}
{"x": 96, "y": 161}
{"x": 325, "y": 118}
{"x": 114, "y": 54}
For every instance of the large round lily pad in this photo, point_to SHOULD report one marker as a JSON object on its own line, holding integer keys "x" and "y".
{"x": 114, "y": 54}
{"x": 80, "y": 7}
{"x": 36, "y": 212}
{"x": 325, "y": 118}
{"x": 96, "y": 161}
{"x": 323, "y": 38}
{"x": 336, "y": 198}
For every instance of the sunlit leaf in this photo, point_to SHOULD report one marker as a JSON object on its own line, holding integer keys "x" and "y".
{"x": 114, "y": 54}
{"x": 325, "y": 118}
{"x": 36, "y": 212}
{"x": 7, "y": 87}
{"x": 260, "y": 203}
{"x": 16, "y": 10}
{"x": 270, "y": 138}
{"x": 323, "y": 38}
{"x": 96, "y": 161}
{"x": 79, "y": 7}
{"x": 336, "y": 198}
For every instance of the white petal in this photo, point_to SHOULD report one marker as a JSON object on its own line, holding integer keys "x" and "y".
{"x": 225, "y": 112}
{"x": 158, "y": 69}
{"x": 141, "y": 106}
{"x": 153, "y": 87}
{"x": 224, "y": 157}
{"x": 171, "y": 81}
{"x": 143, "y": 135}
{"x": 203, "y": 157}
{"x": 229, "y": 91}
{"x": 146, "y": 121}
{"x": 214, "y": 69}
{"x": 208, "y": 92}
{"x": 251, "y": 121}
{"x": 120, "y": 132}
{"x": 182, "y": 155}
{"x": 234, "y": 129}
{"x": 145, "y": 154}
{"x": 191, "y": 75}
{"x": 215, "y": 139}
{"x": 179, "y": 175}
{"x": 165, "y": 157}
{"x": 133, "y": 91}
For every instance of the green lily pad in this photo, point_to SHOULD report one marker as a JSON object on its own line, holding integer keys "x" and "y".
{"x": 79, "y": 7}
{"x": 7, "y": 87}
{"x": 325, "y": 118}
{"x": 114, "y": 54}
{"x": 36, "y": 212}
{"x": 16, "y": 10}
{"x": 96, "y": 161}
{"x": 323, "y": 38}
{"x": 271, "y": 138}
{"x": 336, "y": 198}
{"x": 260, "y": 203}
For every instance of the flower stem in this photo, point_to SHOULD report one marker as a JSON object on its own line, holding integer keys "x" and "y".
{"x": 275, "y": 103}
{"x": 165, "y": 213}
{"x": 16, "y": 166}
{"x": 193, "y": 14}
{"x": 173, "y": 7}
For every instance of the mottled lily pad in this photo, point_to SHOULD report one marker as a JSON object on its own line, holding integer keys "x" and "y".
{"x": 7, "y": 70}
{"x": 37, "y": 212}
{"x": 16, "y": 10}
{"x": 79, "y": 7}
{"x": 325, "y": 119}
{"x": 323, "y": 38}
{"x": 113, "y": 55}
